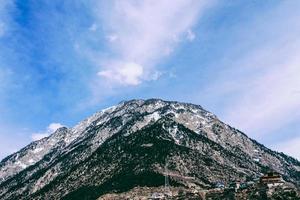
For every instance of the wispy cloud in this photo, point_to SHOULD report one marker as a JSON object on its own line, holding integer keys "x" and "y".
{"x": 268, "y": 101}
{"x": 50, "y": 129}
{"x": 12, "y": 138}
{"x": 5, "y": 7}
{"x": 263, "y": 75}
{"x": 141, "y": 33}
{"x": 125, "y": 73}
{"x": 190, "y": 35}
{"x": 2, "y": 18}
{"x": 290, "y": 147}
{"x": 6, "y": 25}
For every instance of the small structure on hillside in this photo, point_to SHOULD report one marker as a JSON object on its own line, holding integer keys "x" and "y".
{"x": 157, "y": 195}
{"x": 220, "y": 185}
{"x": 235, "y": 185}
{"x": 168, "y": 192}
{"x": 272, "y": 179}
{"x": 256, "y": 155}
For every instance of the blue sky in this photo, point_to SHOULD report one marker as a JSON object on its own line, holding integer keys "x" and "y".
{"x": 61, "y": 61}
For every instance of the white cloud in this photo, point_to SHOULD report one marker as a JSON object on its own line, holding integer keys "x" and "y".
{"x": 38, "y": 136}
{"x": 49, "y": 130}
{"x": 146, "y": 31}
{"x": 93, "y": 27}
{"x": 124, "y": 73}
{"x": 112, "y": 37}
{"x": 190, "y": 35}
{"x": 53, "y": 127}
{"x": 290, "y": 147}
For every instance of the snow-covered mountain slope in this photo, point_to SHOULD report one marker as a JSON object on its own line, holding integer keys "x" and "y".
{"x": 31, "y": 154}
{"x": 138, "y": 138}
{"x": 35, "y": 151}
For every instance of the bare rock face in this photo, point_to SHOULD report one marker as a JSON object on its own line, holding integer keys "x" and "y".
{"x": 135, "y": 144}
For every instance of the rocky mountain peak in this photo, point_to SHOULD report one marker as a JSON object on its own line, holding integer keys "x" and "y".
{"x": 133, "y": 140}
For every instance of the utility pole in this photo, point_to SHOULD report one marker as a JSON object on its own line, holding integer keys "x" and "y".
{"x": 167, "y": 184}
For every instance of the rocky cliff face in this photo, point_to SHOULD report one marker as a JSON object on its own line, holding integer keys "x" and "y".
{"x": 137, "y": 143}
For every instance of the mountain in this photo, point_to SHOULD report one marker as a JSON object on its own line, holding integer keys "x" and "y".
{"x": 139, "y": 143}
